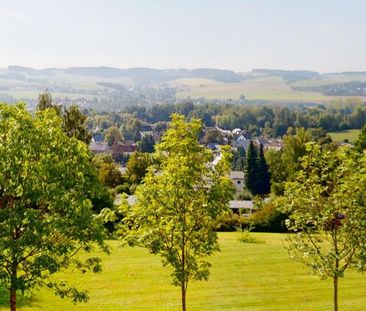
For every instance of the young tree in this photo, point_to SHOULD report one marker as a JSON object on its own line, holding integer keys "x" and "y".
{"x": 251, "y": 169}
{"x": 46, "y": 217}
{"x": 326, "y": 204}
{"x": 179, "y": 202}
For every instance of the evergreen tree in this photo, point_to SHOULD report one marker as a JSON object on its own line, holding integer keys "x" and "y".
{"x": 263, "y": 175}
{"x": 251, "y": 169}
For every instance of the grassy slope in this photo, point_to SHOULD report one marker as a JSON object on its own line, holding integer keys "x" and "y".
{"x": 244, "y": 277}
{"x": 351, "y": 135}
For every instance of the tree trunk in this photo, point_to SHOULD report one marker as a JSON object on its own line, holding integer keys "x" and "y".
{"x": 335, "y": 296}
{"x": 13, "y": 299}
{"x": 13, "y": 287}
{"x": 184, "y": 308}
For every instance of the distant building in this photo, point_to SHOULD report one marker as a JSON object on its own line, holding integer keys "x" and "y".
{"x": 244, "y": 208}
{"x": 99, "y": 147}
{"x": 241, "y": 142}
{"x": 237, "y": 178}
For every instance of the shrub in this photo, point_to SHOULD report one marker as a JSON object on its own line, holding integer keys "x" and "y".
{"x": 245, "y": 195}
{"x": 268, "y": 219}
{"x": 231, "y": 222}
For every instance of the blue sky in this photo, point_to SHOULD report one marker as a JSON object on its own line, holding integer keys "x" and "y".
{"x": 322, "y": 35}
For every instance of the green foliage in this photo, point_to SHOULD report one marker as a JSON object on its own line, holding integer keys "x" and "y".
{"x": 268, "y": 219}
{"x": 263, "y": 175}
{"x": 360, "y": 143}
{"x": 244, "y": 195}
{"x": 74, "y": 124}
{"x": 179, "y": 202}
{"x": 45, "y": 102}
{"x": 46, "y": 217}
{"x": 146, "y": 144}
{"x": 213, "y": 135}
{"x": 230, "y": 222}
{"x": 251, "y": 168}
{"x": 109, "y": 174}
{"x": 73, "y": 121}
{"x": 326, "y": 204}
{"x": 247, "y": 237}
{"x": 257, "y": 176}
{"x": 113, "y": 135}
{"x": 137, "y": 166}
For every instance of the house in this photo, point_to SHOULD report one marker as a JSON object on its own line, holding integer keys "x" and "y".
{"x": 244, "y": 208}
{"x": 242, "y": 142}
{"x": 120, "y": 150}
{"x": 274, "y": 144}
{"x": 237, "y": 178}
{"x": 99, "y": 147}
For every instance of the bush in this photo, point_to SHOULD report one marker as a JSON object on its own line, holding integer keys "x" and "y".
{"x": 268, "y": 219}
{"x": 231, "y": 222}
{"x": 245, "y": 195}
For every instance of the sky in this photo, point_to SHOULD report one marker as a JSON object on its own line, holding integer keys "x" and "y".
{"x": 321, "y": 35}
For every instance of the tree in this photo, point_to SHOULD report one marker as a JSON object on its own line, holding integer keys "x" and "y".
{"x": 178, "y": 203}
{"x": 73, "y": 121}
{"x": 74, "y": 124}
{"x": 264, "y": 177}
{"x": 360, "y": 143}
{"x": 251, "y": 169}
{"x": 46, "y": 217}
{"x": 113, "y": 135}
{"x": 326, "y": 204}
{"x": 213, "y": 136}
{"x": 45, "y": 102}
{"x": 137, "y": 166}
{"x": 146, "y": 144}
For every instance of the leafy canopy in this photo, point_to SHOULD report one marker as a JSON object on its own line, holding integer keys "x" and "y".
{"x": 179, "y": 201}
{"x": 45, "y": 214}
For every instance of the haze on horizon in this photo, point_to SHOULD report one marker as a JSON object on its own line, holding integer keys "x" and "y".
{"x": 323, "y": 35}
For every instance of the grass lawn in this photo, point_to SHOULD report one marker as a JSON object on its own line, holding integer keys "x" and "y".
{"x": 243, "y": 277}
{"x": 351, "y": 135}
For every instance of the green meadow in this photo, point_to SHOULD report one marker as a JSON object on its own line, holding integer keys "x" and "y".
{"x": 350, "y": 135}
{"x": 243, "y": 277}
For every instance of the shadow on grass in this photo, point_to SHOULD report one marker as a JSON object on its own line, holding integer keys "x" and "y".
{"x": 21, "y": 299}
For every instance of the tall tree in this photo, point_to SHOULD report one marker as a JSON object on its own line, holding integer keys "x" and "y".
{"x": 251, "y": 169}
{"x": 326, "y": 203}
{"x": 74, "y": 124}
{"x": 113, "y": 135}
{"x": 263, "y": 175}
{"x": 46, "y": 217}
{"x": 179, "y": 202}
{"x": 45, "y": 102}
{"x": 73, "y": 121}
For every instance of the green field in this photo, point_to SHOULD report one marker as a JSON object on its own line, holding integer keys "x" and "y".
{"x": 244, "y": 277}
{"x": 351, "y": 135}
{"x": 263, "y": 88}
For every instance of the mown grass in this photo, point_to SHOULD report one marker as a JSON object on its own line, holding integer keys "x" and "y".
{"x": 350, "y": 135}
{"x": 244, "y": 276}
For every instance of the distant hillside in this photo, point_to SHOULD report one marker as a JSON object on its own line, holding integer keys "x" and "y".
{"x": 140, "y": 75}
{"x": 288, "y": 75}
